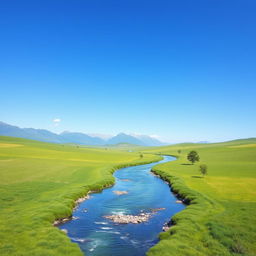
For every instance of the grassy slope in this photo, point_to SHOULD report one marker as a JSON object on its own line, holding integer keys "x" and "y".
{"x": 220, "y": 219}
{"x": 39, "y": 183}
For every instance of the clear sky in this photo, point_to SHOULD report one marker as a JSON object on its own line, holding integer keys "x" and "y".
{"x": 182, "y": 70}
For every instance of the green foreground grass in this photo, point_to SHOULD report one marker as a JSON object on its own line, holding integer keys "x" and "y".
{"x": 220, "y": 218}
{"x": 39, "y": 183}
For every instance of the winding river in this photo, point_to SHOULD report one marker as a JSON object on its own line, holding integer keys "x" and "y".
{"x": 98, "y": 236}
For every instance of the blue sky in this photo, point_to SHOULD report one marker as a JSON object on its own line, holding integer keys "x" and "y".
{"x": 182, "y": 70}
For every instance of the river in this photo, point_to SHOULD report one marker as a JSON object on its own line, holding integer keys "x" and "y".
{"x": 98, "y": 236}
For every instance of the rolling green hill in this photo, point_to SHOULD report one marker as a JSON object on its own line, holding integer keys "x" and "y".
{"x": 39, "y": 183}
{"x": 220, "y": 219}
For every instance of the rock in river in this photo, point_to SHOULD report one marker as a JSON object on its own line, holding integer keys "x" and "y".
{"x": 125, "y": 219}
{"x": 119, "y": 193}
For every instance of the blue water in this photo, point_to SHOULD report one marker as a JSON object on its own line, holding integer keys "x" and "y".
{"x": 98, "y": 236}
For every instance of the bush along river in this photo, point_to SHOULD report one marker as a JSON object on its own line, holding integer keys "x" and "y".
{"x": 126, "y": 218}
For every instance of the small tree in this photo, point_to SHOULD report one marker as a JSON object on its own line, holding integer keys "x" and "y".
{"x": 179, "y": 151}
{"x": 193, "y": 157}
{"x": 203, "y": 169}
{"x": 141, "y": 155}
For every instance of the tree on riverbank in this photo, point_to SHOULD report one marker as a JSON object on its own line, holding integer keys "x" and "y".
{"x": 193, "y": 156}
{"x": 203, "y": 169}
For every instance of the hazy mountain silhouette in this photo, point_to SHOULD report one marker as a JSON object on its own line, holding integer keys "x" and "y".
{"x": 74, "y": 137}
{"x": 124, "y": 138}
{"x": 29, "y": 133}
{"x": 81, "y": 138}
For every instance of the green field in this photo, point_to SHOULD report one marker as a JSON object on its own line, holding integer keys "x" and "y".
{"x": 39, "y": 183}
{"x": 221, "y": 217}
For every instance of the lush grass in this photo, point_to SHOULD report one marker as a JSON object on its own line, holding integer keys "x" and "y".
{"x": 220, "y": 219}
{"x": 39, "y": 183}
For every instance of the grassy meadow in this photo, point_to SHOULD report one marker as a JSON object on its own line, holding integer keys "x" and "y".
{"x": 221, "y": 216}
{"x": 39, "y": 183}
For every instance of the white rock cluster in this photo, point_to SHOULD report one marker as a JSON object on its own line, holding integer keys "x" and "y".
{"x": 119, "y": 192}
{"x": 82, "y": 199}
{"x": 125, "y": 219}
{"x": 60, "y": 221}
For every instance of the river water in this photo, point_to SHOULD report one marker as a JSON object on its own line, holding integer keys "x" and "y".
{"x": 98, "y": 236}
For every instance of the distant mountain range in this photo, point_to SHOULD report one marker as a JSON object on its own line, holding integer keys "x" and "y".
{"x": 75, "y": 137}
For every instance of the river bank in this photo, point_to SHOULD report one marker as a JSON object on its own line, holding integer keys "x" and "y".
{"x": 143, "y": 211}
